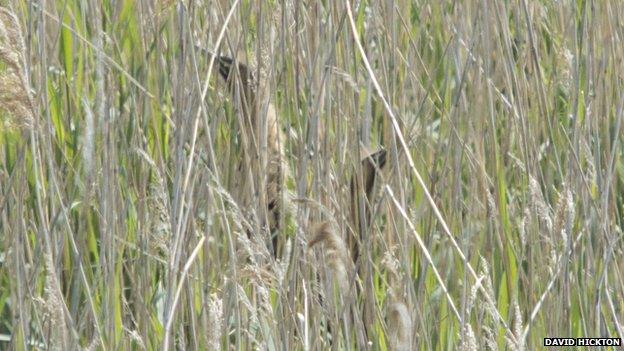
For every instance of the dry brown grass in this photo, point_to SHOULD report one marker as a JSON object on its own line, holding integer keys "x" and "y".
{"x": 15, "y": 92}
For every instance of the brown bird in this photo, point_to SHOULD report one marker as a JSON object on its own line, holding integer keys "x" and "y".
{"x": 372, "y": 163}
{"x": 363, "y": 185}
{"x": 242, "y": 84}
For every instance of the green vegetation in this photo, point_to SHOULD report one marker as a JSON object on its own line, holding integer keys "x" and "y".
{"x": 496, "y": 220}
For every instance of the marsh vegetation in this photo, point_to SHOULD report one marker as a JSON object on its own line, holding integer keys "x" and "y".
{"x": 383, "y": 175}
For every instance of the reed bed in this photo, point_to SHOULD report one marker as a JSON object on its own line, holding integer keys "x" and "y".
{"x": 139, "y": 201}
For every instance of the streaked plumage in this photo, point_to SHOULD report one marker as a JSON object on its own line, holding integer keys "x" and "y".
{"x": 242, "y": 84}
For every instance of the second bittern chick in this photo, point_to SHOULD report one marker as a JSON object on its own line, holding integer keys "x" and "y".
{"x": 258, "y": 120}
{"x": 371, "y": 165}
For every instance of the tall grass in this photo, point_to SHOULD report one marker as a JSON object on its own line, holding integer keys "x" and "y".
{"x": 495, "y": 222}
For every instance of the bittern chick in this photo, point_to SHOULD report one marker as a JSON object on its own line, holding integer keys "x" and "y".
{"x": 239, "y": 75}
{"x": 371, "y": 165}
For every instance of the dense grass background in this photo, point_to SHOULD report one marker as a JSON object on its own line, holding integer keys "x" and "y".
{"x": 117, "y": 162}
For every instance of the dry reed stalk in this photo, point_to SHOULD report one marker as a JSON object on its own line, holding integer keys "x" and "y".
{"x": 399, "y": 322}
{"x": 158, "y": 204}
{"x": 215, "y": 320}
{"x": 400, "y": 326}
{"x": 335, "y": 252}
{"x": 468, "y": 341}
{"x": 339, "y": 267}
{"x": 15, "y": 95}
{"x": 539, "y": 204}
{"x": 54, "y": 306}
{"x": 514, "y": 339}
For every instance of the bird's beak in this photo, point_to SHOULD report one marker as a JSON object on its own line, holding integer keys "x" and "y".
{"x": 224, "y": 62}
